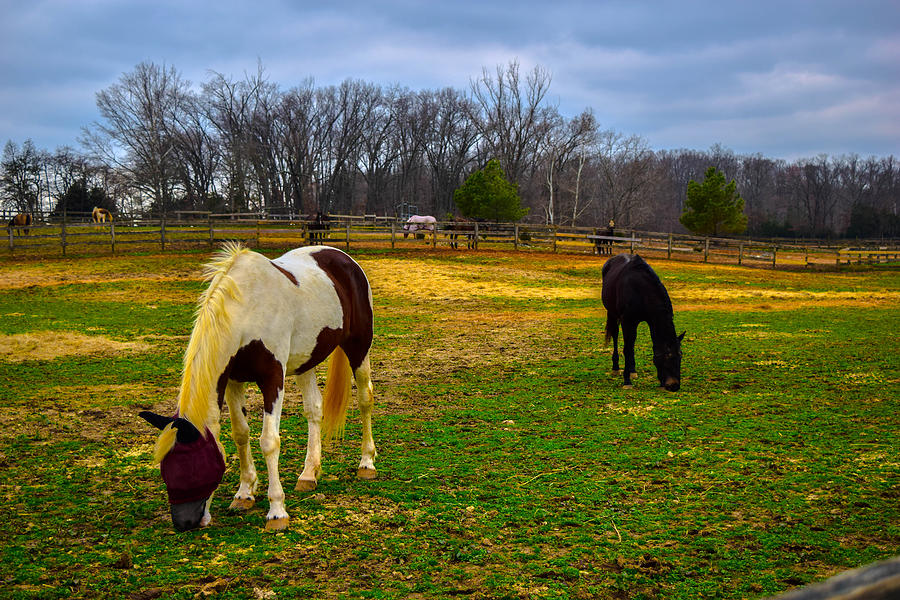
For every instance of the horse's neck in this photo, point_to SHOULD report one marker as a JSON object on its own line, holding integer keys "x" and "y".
{"x": 662, "y": 326}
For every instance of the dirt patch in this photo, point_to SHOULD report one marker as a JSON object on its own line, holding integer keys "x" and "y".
{"x": 49, "y": 345}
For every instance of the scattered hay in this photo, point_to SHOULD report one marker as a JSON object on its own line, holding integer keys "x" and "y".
{"x": 50, "y": 345}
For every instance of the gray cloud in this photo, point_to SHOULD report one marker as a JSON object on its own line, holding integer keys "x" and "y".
{"x": 786, "y": 79}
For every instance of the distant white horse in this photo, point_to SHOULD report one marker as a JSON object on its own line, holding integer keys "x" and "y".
{"x": 419, "y": 223}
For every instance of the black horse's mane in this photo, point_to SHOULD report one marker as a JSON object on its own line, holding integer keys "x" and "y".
{"x": 640, "y": 264}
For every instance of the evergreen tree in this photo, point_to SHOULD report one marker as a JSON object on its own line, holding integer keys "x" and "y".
{"x": 713, "y": 207}
{"x": 488, "y": 195}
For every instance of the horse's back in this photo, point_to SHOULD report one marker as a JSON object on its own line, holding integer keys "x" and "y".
{"x": 631, "y": 285}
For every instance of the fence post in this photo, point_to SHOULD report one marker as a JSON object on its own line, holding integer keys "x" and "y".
{"x": 475, "y": 247}
{"x": 741, "y": 254}
{"x": 706, "y": 250}
{"x": 112, "y": 235}
{"x": 162, "y": 232}
{"x": 10, "y": 232}
{"x": 347, "y": 240}
{"x": 631, "y": 247}
{"x": 516, "y": 233}
{"x": 210, "y": 222}
{"x": 257, "y": 233}
{"x": 393, "y": 233}
{"x": 554, "y": 238}
{"x": 434, "y": 237}
{"x": 669, "y": 249}
{"x": 774, "y": 253}
{"x": 62, "y": 237}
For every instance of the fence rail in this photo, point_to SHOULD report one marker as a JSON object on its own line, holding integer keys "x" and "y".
{"x": 347, "y": 233}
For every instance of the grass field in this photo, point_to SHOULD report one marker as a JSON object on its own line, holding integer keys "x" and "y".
{"x": 512, "y": 464}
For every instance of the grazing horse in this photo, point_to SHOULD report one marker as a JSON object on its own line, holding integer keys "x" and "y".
{"x": 259, "y": 321}
{"x": 632, "y": 293}
{"x": 418, "y": 223}
{"x": 318, "y": 226}
{"x": 21, "y": 223}
{"x": 460, "y": 227}
{"x": 101, "y": 215}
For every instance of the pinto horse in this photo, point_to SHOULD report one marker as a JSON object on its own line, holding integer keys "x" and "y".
{"x": 259, "y": 321}
{"x": 631, "y": 293}
{"x": 21, "y": 223}
{"x": 418, "y": 223}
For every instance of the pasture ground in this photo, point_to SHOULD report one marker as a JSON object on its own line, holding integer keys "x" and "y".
{"x": 512, "y": 464}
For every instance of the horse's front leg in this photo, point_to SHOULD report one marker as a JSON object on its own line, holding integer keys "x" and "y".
{"x": 366, "y": 398}
{"x": 240, "y": 432}
{"x": 629, "y": 336}
{"x": 270, "y": 444}
{"x": 312, "y": 410}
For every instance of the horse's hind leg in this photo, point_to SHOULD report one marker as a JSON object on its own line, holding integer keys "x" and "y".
{"x": 629, "y": 336}
{"x": 612, "y": 330}
{"x": 366, "y": 398}
{"x": 312, "y": 410}
{"x": 240, "y": 432}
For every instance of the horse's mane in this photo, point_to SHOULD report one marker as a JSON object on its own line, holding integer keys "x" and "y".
{"x": 211, "y": 329}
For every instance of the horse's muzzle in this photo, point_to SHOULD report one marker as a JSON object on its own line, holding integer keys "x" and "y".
{"x": 672, "y": 384}
{"x": 187, "y": 515}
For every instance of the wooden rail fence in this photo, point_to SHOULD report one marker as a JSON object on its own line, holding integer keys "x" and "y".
{"x": 347, "y": 233}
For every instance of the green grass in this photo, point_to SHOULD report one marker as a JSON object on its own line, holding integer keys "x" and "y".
{"x": 512, "y": 464}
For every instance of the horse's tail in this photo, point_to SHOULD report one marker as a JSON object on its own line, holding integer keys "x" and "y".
{"x": 612, "y": 326}
{"x": 337, "y": 396}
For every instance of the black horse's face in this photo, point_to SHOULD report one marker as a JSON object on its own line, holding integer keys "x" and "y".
{"x": 667, "y": 359}
{"x": 191, "y": 470}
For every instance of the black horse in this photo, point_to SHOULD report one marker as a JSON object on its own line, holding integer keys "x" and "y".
{"x": 460, "y": 227}
{"x": 318, "y": 227}
{"x": 632, "y": 293}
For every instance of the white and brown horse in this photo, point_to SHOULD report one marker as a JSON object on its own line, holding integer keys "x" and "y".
{"x": 259, "y": 321}
{"x": 20, "y": 223}
{"x": 101, "y": 215}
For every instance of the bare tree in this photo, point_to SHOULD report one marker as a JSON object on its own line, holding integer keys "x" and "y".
{"x": 624, "y": 164}
{"x": 136, "y": 135}
{"x": 512, "y": 118}
{"x": 20, "y": 176}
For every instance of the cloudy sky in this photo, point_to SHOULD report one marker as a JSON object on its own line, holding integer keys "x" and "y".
{"x": 787, "y": 78}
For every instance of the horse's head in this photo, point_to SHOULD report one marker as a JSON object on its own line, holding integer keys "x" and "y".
{"x": 192, "y": 468}
{"x": 667, "y": 358}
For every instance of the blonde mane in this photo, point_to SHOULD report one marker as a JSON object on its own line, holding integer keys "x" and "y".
{"x": 211, "y": 330}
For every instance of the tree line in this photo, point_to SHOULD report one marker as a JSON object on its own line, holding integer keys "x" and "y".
{"x": 246, "y": 144}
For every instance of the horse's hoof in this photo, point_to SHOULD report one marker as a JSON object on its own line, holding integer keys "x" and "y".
{"x": 628, "y": 387}
{"x": 366, "y": 473}
{"x": 279, "y": 524}
{"x": 242, "y": 504}
{"x": 305, "y": 485}
{"x": 634, "y": 375}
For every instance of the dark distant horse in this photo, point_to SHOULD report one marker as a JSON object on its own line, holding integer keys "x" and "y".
{"x": 318, "y": 227}
{"x": 605, "y": 246}
{"x": 461, "y": 227}
{"x": 632, "y": 293}
{"x": 21, "y": 222}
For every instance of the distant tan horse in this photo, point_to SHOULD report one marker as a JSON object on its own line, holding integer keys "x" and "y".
{"x": 101, "y": 215}
{"x": 21, "y": 222}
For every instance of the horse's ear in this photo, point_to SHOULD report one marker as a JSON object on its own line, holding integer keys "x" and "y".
{"x": 156, "y": 420}
{"x": 681, "y": 337}
{"x": 187, "y": 433}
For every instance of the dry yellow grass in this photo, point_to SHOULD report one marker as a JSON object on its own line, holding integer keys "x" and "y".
{"x": 48, "y": 345}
